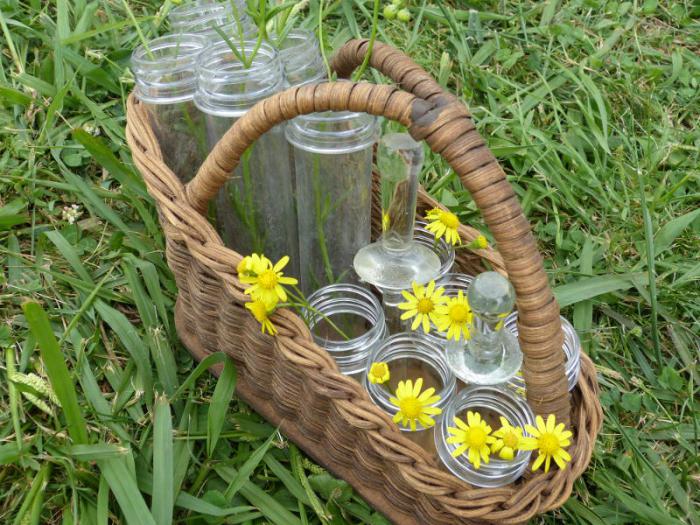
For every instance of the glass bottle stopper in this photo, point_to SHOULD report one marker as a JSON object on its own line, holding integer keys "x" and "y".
{"x": 492, "y": 355}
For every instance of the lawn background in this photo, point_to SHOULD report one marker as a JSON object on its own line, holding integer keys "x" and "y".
{"x": 592, "y": 108}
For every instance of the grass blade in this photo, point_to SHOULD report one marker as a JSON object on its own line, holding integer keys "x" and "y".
{"x": 97, "y": 451}
{"x": 589, "y": 287}
{"x": 35, "y": 493}
{"x": 667, "y": 234}
{"x": 218, "y": 408}
{"x": 203, "y": 366}
{"x": 583, "y": 310}
{"x": 123, "y": 485}
{"x": 248, "y": 467}
{"x": 105, "y": 158}
{"x": 269, "y": 506}
{"x": 163, "y": 497}
{"x": 56, "y": 370}
{"x": 651, "y": 272}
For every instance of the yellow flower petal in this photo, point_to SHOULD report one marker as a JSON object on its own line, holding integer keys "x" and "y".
{"x": 532, "y": 431}
{"x": 551, "y": 423}
{"x": 459, "y": 450}
{"x": 416, "y": 322}
{"x": 417, "y": 387}
{"x": 538, "y": 462}
{"x": 541, "y": 426}
{"x": 559, "y": 461}
{"x": 506, "y": 453}
{"x": 280, "y": 264}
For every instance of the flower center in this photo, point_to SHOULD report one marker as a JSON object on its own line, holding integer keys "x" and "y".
{"x": 379, "y": 369}
{"x": 425, "y": 306}
{"x": 449, "y": 219}
{"x": 459, "y": 313}
{"x": 476, "y": 437}
{"x": 411, "y": 407}
{"x": 267, "y": 279}
{"x": 548, "y": 443}
{"x": 510, "y": 440}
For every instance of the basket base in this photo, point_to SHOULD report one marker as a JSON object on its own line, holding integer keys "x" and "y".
{"x": 289, "y": 428}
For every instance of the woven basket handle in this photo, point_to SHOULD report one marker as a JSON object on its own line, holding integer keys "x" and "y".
{"x": 450, "y": 132}
{"x": 396, "y": 65}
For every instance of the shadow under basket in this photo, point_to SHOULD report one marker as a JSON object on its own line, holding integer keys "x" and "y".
{"x": 295, "y": 384}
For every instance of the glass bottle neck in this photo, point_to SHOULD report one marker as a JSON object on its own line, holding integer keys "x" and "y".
{"x": 228, "y": 87}
{"x": 165, "y": 68}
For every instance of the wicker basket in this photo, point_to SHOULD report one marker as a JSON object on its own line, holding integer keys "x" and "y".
{"x": 292, "y": 382}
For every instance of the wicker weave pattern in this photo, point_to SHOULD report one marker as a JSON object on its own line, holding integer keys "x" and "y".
{"x": 293, "y": 382}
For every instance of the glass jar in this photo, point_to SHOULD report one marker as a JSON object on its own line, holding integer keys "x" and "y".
{"x": 348, "y": 322}
{"x": 571, "y": 347}
{"x": 166, "y": 81}
{"x": 202, "y": 16}
{"x": 255, "y": 210}
{"x": 410, "y": 356}
{"x": 301, "y": 58}
{"x": 333, "y": 169}
{"x": 491, "y": 402}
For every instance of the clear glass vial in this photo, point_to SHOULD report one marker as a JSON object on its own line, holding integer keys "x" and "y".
{"x": 571, "y": 347}
{"x": 255, "y": 209}
{"x": 166, "y": 81}
{"x": 333, "y": 169}
{"x": 412, "y": 356}
{"x": 397, "y": 260}
{"x": 202, "y": 17}
{"x": 301, "y": 57}
{"x": 491, "y": 402}
{"x": 347, "y": 321}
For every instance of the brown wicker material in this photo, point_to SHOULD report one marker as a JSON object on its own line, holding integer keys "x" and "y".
{"x": 294, "y": 383}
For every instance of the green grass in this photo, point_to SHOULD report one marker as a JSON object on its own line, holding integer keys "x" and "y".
{"x": 592, "y": 107}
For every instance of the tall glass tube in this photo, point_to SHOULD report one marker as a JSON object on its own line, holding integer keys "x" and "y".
{"x": 202, "y": 17}
{"x": 165, "y": 73}
{"x": 333, "y": 169}
{"x": 301, "y": 57}
{"x": 256, "y": 209}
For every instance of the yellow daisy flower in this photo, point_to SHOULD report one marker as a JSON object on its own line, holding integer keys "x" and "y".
{"x": 250, "y": 262}
{"x": 455, "y": 317}
{"x": 261, "y": 314}
{"x": 441, "y": 222}
{"x": 415, "y": 406}
{"x": 473, "y": 436}
{"x": 266, "y": 281}
{"x": 378, "y": 373}
{"x": 508, "y": 440}
{"x": 422, "y": 305}
{"x": 551, "y": 440}
{"x": 480, "y": 243}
